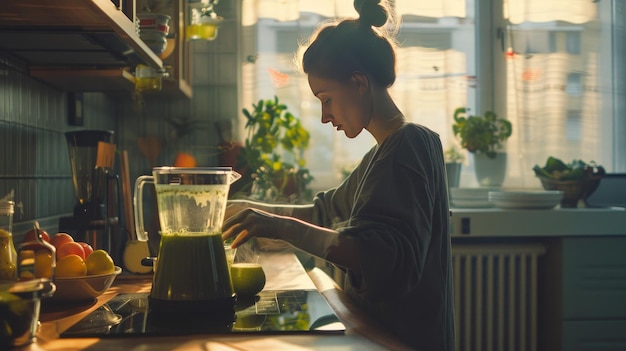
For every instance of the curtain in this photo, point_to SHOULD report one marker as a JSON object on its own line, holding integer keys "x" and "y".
{"x": 556, "y": 86}
{"x": 572, "y": 11}
{"x": 558, "y": 83}
{"x": 290, "y": 10}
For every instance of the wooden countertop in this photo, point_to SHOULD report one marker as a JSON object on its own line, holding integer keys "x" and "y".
{"x": 283, "y": 271}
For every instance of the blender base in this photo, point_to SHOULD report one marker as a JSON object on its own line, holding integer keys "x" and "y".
{"x": 212, "y": 315}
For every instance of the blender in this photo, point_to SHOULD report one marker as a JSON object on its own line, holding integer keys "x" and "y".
{"x": 191, "y": 274}
{"x": 91, "y": 155}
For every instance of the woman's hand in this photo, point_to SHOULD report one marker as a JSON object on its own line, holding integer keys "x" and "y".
{"x": 235, "y": 206}
{"x": 250, "y": 223}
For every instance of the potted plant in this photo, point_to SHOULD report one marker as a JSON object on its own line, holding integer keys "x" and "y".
{"x": 272, "y": 155}
{"x": 483, "y": 136}
{"x": 454, "y": 160}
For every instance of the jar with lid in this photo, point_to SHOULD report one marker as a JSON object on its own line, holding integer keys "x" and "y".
{"x": 8, "y": 255}
{"x": 202, "y": 21}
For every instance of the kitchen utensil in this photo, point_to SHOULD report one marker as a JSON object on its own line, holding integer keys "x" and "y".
{"x": 92, "y": 155}
{"x": 89, "y": 163}
{"x": 135, "y": 249}
{"x": 191, "y": 266}
{"x": 26, "y": 264}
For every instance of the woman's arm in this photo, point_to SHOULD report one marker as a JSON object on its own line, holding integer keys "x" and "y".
{"x": 322, "y": 242}
{"x": 303, "y": 212}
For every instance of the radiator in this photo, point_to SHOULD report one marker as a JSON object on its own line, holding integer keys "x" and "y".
{"x": 495, "y": 296}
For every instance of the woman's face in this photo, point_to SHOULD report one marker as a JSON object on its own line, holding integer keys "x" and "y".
{"x": 347, "y": 105}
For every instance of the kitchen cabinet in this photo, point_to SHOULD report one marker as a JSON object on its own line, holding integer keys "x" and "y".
{"x": 86, "y": 45}
{"x": 179, "y": 63}
{"x": 585, "y": 290}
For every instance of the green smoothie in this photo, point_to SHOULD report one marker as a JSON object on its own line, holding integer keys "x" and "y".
{"x": 191, "y": 267}
{"x": 248, "y": 278}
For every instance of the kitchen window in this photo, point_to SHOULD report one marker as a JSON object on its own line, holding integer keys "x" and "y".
{"x": 553, "y": 68}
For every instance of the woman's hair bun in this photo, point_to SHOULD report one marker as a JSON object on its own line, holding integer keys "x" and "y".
{"x": 371, "y": 12}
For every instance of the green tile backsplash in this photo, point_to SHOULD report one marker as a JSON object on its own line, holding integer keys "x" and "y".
{"x": 34, "y": 157}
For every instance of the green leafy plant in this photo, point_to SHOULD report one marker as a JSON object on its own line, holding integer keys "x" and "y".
{"x": 578, "y": 170}
{"x": 453, "y": 155}
{"x": 273, "y": 154}
{"x": 483, "y": 134}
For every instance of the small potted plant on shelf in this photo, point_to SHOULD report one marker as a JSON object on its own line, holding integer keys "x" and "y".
{"x": 272, "y": 155}
{"x": 483, "y": 136}
{"x": 454, "y": 160}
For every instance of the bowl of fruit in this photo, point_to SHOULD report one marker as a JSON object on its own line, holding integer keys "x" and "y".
{"x": 80, "y": 273}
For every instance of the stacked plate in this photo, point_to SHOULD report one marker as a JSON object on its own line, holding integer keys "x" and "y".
{"x": 471, "y": 197}
{"x": 540, "y": 199}
{"x": 153, "y": 29}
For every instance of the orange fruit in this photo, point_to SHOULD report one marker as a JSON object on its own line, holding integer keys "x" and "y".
{"x": 71, "y": 266}
{"x": 59, "y": 239}
{"x": 99, "y": 262}
{"x": 184, "y": 159}
{"x": 69, "y": 248}
{"x": 86, "y": 247}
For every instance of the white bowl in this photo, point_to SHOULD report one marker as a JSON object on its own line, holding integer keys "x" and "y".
{"x": 156, "y": 41}
{"x": 544, "y": 199}
{"x": 152, "y": 20}
{"x": 83, "y": 288}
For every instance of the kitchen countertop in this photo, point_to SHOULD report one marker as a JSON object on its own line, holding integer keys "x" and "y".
{"x": 557, "y": 222}
{"x": 283, "y": 271}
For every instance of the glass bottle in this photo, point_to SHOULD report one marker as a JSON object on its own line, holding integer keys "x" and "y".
{"x": 8, "y": 255}
{"x": 202, "y": 21}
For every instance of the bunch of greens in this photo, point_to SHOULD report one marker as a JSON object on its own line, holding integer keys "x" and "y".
{"x": 576, "y": 170}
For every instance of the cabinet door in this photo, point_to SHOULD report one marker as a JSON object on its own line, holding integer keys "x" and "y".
{"x": 177, "y": 56}
{"x": 594, "y": 336}
{"x": 594, "y": 278}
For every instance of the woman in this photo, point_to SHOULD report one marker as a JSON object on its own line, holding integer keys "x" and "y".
{"x": 386, "y": 225}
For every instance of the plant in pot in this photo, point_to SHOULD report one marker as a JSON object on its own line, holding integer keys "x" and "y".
{"x": 483, "y": 136}
{"x": 454, "y": 159}
{"x": 272, "y": 155}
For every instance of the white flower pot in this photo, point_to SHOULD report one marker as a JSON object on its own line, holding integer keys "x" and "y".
{"x": 490, "y": 171}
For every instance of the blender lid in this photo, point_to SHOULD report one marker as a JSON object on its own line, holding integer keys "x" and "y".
{"x": 168, "y": 169}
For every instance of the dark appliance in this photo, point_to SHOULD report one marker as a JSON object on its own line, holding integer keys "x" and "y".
{"x": 97, "y": 209}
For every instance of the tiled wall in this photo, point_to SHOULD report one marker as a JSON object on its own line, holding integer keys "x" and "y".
{"x": 34, "y": 160}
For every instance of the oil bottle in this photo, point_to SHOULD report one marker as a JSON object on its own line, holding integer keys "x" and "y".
{"x": 8, "y": 255}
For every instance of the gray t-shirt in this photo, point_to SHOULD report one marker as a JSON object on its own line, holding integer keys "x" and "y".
{"x": 395, "y": 202}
